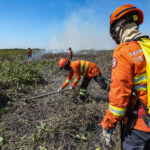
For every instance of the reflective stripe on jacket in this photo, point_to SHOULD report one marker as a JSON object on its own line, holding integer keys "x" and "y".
{"x": 128, "y": 73}
{"x": 140, "y": 82}
{"x": 81, "y": 67}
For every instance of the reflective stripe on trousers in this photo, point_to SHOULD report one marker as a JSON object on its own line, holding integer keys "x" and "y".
{"x": 83, "y": 88}
{"x": 83, "y": 92}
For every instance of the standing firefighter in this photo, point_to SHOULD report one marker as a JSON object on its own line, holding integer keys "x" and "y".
{"x": 81, "y": 67}
{"x": 29, "y": 53}
{"x": 70, "y": 53}
{"x": 129, "y": 97}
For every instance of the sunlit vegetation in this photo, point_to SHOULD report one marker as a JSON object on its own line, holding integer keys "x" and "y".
{"x": 55, "y": 122}
{"x": 17, "y": 73}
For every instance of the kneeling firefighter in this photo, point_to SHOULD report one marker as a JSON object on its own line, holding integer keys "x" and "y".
{"x": 81, "y": 67}
{"x": 129, "y": 97}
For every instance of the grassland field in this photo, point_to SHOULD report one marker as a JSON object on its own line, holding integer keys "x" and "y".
{"x": 54, "y": 122}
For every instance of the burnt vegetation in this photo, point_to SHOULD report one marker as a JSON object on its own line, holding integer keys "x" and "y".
{"x": 54, "y": 122}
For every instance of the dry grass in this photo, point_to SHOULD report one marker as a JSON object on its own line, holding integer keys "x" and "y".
{"x": 59, "y": 121}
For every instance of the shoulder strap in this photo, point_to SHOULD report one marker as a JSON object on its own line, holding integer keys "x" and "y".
{"x": 143, "y": 105}
{"x": 133, "y": 115}
{"x": 146, "y": 118}
{"x": 138, "y": 38}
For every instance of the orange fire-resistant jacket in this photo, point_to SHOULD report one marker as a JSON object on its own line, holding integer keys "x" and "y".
{"x": 128, "y": 71}
{"x": 81, "y": 67}
{"x": 29, "y": 52}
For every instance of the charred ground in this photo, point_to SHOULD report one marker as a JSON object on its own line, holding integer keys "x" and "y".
{"x": 55, "y": 122}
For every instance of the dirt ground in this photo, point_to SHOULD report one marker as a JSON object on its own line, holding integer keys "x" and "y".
{"x": 59, "y": 121}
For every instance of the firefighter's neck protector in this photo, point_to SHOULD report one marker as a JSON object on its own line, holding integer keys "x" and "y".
{"x": 126, "y": 32}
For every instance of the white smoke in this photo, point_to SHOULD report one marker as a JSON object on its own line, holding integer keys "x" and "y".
{"x": 81, "y": 33}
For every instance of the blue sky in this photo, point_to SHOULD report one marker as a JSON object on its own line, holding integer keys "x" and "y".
{"x": 58, "y": 24}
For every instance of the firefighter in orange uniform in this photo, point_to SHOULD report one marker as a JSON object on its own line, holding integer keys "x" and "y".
{"x": 81, "y": 67}
{"x": 70, "y": 53}
{"x": 29, "y": 53}
{"x": 128, "y": 97}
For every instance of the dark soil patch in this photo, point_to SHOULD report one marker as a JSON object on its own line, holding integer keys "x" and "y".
{"x": 58, "y": 121}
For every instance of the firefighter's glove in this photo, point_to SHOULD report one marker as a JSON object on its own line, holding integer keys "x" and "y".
{"x": 59, "y": 90}
{"x": 107, "y": 136}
